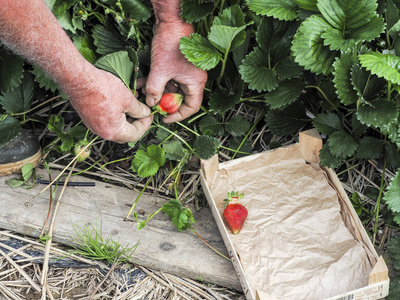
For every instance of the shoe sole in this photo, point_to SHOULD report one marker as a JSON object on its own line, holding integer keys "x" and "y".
{"x": 15, "y": 167}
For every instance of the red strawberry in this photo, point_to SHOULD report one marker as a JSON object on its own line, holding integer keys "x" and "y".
{"x": 169, "y": 104}
{"x": 235, "y": 213}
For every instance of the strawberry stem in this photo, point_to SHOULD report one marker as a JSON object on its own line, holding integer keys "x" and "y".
{"x": 211, "y": 247}
{"x": 138, "y": 197}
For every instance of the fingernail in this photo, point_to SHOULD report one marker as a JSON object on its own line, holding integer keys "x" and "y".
{"x": 146, "y": 111}
{"x": 150, "y": 101}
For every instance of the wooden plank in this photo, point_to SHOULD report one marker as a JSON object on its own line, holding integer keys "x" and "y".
{"x": 161, "y": 247}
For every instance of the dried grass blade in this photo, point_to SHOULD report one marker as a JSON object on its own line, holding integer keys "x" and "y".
{"x": 21, "y": 271}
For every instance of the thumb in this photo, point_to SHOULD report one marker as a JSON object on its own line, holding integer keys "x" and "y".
{"x": 155, "y": 86}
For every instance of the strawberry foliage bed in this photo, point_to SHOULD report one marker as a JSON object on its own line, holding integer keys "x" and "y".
{"x": 274, "y": 68}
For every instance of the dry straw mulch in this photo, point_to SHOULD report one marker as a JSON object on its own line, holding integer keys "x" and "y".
{"x": 73, "y": 277}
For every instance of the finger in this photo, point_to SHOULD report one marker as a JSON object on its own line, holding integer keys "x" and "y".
{"x": 141, "y": 82}
{"x": 191, "y": 105}
{"x": 132, "y": 132}
{"x": 137, "y": 109}
{"x": 155, "y": 86}
{"x": 171, "y": 87}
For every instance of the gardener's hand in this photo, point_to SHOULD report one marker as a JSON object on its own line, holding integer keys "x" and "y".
{"x": 101, "y": 99}
{"x": 103, "y": 103}
{"x": 170, "y": 70}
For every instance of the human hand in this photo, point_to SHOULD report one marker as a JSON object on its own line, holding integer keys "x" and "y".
{"x": 103, "y": 102}
{"x": 172, "y": 72}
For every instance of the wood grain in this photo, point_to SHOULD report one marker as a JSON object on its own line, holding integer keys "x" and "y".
{"x": 161, "y": 247}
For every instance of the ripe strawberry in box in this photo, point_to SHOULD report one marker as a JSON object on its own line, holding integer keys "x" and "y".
{"x": 235, "y": 213}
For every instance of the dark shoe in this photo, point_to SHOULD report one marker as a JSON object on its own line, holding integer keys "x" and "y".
{"x": 25, "y": 148}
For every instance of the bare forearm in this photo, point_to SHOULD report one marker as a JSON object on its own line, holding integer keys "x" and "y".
{"x": 39, "y": 38}
{"x": 167, "y": 11}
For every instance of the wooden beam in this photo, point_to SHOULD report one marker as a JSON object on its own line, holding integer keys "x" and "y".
{"x": 161, "y": 247}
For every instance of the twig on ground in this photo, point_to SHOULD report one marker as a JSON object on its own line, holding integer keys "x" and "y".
{"x": 49, "y": 241}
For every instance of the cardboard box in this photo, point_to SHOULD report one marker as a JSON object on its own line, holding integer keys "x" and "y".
{"x": 270, "y": 255}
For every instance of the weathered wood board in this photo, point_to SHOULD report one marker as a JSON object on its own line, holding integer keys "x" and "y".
{"x": 161, "y": 247}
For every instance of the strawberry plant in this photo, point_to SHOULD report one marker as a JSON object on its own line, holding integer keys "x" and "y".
{"x": 274, "y": 68}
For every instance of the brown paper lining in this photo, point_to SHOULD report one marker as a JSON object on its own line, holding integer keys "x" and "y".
{"x": 294, "y": 244}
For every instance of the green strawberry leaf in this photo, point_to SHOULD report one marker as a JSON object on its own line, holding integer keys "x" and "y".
{"x": 117, "y": 63}
{"x": 210, "y": 123}
{"x": 10, "y": 128}
{"x": 347, "y": 15}
{"x": 382, "y": 65}
{"x": 59, "y": 7}
{"x": 147, "y": 162}
{"x": 336, "y": 40}
{"x": 181, "y": 217}
{"x": 370, "y": 148}
{"x": 280, "y": 9}
{"x": 392, "y": 14}
{"x": 378, "y": 113}
{"x": 107, "y": 41}
{"x": 27, "y": 171}
{"x": 174, "y": 150}
{"x": 237, "y": 126}
{"x": 392, "y": 195}
{"x": 11, "y": 70}
{"x": 232, "y": 16}
{"x": 84, "y": 47}
{"x": 44, "y": 80}
{"x": 341, "y": 144}
{"x": 224, "y": 100}
{"x": 199, "y": 51}
{"x": 19, "y": 99}
{"x": 392, "y": 155}
{"x": 394, "y": 252}
{"x": 206, "y": 146}
{"x": 224, "y": 38}
{"x": 287, "y": 121}
{"x": 309, "y": 49}
{"x": 327, "y": 159}
{"x": 162, "y": 134}
{"x": 286, "y": 93}
{"x": 368, "y": 86}
{"x": 136, "y": 10}
{"x": 327, "y": 123}
{"x": 238, "y": 144}
{"x": 193, "y": 10}
{"x": 310, "y": 5}
{"x": 395, "y": 30}
{"x": 264, "y": 33}
{"x": 255, "y": 70}
{"x": 342, "y": 77}
{"x": 287, "y": 69}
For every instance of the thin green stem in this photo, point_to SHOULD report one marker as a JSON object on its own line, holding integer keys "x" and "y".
{"x": 36, "y": 107}
{"x": 222, "y": 70}
{"x": 248, "y": 133}
{"x": 187, "y": 128}
{"x": 138, "y": 197}
{"x": 324, "y": 95}
{"x": 378, "y": 202}
{"x": 151, "y": 216}
{"x": 177, "y": 135}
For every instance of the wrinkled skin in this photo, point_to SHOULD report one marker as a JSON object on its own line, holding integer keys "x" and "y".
{"x": 103, "y": 103}
{"x": 172, "y": 72}
{"x": 100, "y": 98}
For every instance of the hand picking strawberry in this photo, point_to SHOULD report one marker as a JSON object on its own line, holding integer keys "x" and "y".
{"x": 169, "y": 104}
{"x": 235, "y": 213}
